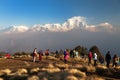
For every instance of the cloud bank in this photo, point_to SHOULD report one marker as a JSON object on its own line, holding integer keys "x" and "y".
{"x": 76, "y": 22}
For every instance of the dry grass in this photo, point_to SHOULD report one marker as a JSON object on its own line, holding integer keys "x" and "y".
{"x": 76, "y": 72}
{"x": 94, "y": 77}
{"x": 21, "y": 71}
{"x": 70, "y": 77}
{"x": 5, "y": 71}
{"x": 34, "y": 77}
{"x": 62, "y": 66}
{"x": 90, "y": 69}
{"x": 33, "y": 70}
{"x": 53, "y": 58}
{"x": 53, "y": 69}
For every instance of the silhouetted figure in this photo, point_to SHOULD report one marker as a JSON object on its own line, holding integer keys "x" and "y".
{"x": 108, "y": 58}
{"x": 71, "y": 53}
{"x": 115, "y": 60}
{"x": 56, "y": 54}
{"x": 101, "y": 59}
{"x": 74, "y": 53}
{"x": 89, "y": 57}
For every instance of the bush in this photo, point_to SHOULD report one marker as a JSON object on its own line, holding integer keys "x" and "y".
{"x": 82, "y": 50}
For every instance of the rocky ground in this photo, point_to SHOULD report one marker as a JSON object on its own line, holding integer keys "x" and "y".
{"x": 54, "y": 69}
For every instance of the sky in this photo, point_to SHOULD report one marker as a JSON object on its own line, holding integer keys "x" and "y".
{"x": 26, "y": 24}
{"x": 30, "y": 12}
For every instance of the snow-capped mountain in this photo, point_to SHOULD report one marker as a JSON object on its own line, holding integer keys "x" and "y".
{"x": 72, "y": 23}
{"x": 18, "y": 29}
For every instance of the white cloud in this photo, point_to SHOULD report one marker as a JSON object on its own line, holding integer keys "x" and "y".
{"x": 17, "y": 29}
{"x": 100, "y": 27}
{"x": 72, "y": 23}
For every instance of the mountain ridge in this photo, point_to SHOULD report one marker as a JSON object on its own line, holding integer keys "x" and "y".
{"x": 76, "y": 22}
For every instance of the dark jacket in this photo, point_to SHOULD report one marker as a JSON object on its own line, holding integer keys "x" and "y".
{"x": 108, "y": 57}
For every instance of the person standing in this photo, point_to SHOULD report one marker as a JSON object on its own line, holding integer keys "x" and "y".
{"x": 101, "y": 59}
{"x": 76, "y": 54}
{"x": 40, "y": 55}
{"x": 47, "y": 53}
{"x": 56, "y": 54}
{"x": 95, "y": 59}
{"x": 66, "y": 56}
{"x": 89, "y": 57}
{"x": 115, "y": 61}
{"x": 71, "y": 53}
{"x": 34, "y": 54}
{"x": 108, "y": 58}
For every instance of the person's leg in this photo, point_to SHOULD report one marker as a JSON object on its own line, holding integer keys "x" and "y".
{"x": 107, "y": 64}
{"x": 34, "y": 59}
{"x": 116, "y": 64}
{"x": 65, "y": 61}
{"x": 89, "y": 62}
{"x": 95, "y": 62}
{"x": 113, "y": 64}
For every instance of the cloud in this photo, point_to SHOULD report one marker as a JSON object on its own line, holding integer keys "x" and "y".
{"x": 76, "y": 22}
{"x": 103, "y": 27}
{"x": 72, "y": 23}
{"x": 17, "y": 29}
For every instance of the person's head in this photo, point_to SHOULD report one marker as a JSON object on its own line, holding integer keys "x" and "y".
{"x": 108, "y": 52}
{"x": 115, "y": 55}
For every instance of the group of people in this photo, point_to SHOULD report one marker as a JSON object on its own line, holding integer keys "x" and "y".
{"x": 74, "y": 53}
{"x": 40, "y": 53}
{"x": 90, "y": 56}
{"x": 108, "y": 59}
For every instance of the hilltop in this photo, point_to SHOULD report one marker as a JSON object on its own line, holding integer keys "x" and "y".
{"x": 55, "y": 69}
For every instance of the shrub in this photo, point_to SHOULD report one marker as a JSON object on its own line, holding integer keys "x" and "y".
{"x": 70, "y": 77}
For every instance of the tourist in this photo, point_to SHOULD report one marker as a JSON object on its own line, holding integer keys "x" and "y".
{"x": 34, "y": 54}
{"x": 95, "y": 59}
{"x": 71, "y": 53}
{"x": 47, "y": 53}
{"x": 56, "y": 53}
{"x": 66, "y": 56}
{"x": 108, "y": 58}
{"x": 115, "y": 61}
{"x": 89, "y": 57}
{"x": 101, "y": 59}
{"x": 40, "y": 55}
{"x": 76, "y": 54}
